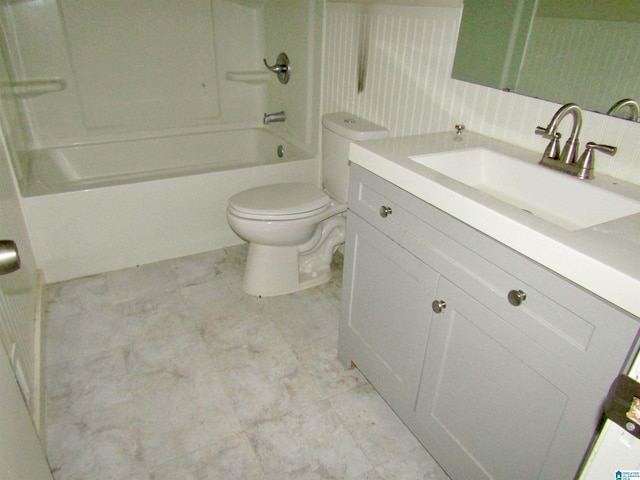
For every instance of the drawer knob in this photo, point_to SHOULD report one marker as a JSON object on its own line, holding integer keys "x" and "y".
{"x": 438, "y": 306}
{"x": 384, "y": 211}
{"x": 516, "y": 297}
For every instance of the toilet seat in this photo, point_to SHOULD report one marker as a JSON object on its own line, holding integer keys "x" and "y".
{"x": 283, "y": 201}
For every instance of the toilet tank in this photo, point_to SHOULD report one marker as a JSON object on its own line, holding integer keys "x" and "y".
{"x": 338, "y": 131}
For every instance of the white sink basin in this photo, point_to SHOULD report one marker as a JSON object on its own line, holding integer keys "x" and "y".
{"x": 559, "y": 198}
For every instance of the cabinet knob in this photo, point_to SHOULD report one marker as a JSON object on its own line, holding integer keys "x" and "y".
{"x": 516, "y": 297}
{"x": 438, "y": 306}
{"x": 384, "y": 211}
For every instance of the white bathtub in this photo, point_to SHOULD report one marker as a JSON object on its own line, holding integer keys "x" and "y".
{"x": 101, "y": 207}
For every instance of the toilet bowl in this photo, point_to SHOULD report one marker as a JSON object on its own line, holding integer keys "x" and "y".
{"x": 294, "y": 229}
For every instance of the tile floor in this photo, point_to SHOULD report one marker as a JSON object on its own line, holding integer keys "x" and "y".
{"x": 169, "y": 371}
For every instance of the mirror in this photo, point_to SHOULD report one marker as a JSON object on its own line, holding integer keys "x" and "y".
{"x": 581, "y": 51}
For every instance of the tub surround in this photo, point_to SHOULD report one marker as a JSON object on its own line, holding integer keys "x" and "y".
{"x": 602, "y": 258}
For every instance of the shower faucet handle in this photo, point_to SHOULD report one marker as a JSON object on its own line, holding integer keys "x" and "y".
{"x": 282, "y": 67}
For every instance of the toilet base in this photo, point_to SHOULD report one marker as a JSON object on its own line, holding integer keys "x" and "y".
{"x": 274, "y": 270}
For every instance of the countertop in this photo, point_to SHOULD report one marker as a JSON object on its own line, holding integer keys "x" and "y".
{"x": 604, "y": 259}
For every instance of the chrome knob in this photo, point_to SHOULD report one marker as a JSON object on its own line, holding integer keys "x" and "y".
{"x": 384, "y": 211}
{"x": 438, "y": 306}
{"x": 516, "y": 297}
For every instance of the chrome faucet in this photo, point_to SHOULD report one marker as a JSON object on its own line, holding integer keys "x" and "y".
{"x": 567, "y": 160}
{"x": 631, "y": 104}
{"x": 273, "y": 117}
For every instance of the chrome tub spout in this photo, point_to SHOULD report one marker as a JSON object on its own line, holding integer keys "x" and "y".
{"x": 273, "y": 117}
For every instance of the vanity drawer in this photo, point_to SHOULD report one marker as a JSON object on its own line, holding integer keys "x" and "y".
{"x": 574, "y": 325}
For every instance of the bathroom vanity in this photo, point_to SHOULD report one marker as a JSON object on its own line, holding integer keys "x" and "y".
{"x": 484, "y": 341}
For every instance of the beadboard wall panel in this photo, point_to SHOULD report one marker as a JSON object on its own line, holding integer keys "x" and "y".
{"x": 408, "y": 86}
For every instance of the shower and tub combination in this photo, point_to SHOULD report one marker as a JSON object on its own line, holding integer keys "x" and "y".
{"x": 126, "y": 151}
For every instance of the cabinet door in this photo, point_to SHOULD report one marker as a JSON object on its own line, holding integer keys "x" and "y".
{"x": 492, "y": 403}
{"x": 386, "y": 312}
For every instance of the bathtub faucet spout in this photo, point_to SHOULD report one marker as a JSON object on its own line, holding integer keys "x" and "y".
{"x": 273, "y": 117}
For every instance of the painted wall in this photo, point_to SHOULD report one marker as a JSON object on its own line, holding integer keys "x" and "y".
{"x": 409, "y": 90}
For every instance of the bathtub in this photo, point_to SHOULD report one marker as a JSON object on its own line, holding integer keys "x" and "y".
{"x": 99, "y": 207}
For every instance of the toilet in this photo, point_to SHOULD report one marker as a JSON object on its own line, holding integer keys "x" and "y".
{"x": 293, "y": 229}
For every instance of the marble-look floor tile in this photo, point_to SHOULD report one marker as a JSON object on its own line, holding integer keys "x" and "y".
{"x": 320, "y": 360}
{"x": 304, "y": 317}
{"x": 200, "y": 268}
{"x": 83, "y": 295}
{"x": 184, "y": 418}
{"x": 86, "y": 334}
{"x": 86, "y": 385}
{"x": 214, "y": 293}
{"x": 232, "y": 458}
{"x": 101, "y": 444}
{"x": 268, "y": 385}
{"x": 310, "y": 443}
{"x": 140, "y": 282}
{"x": 170, "y": 371}
{"x": 168, "y": 348}
{"x": 163, "y": 363}
{"x": 376, "y": 428}
{"x": 226, "y": 263}
{"x": 416, "y": 464}
{"x": 237, "y": 336}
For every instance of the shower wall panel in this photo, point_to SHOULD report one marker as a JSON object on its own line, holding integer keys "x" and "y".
{"x": 144, "y": 64}
{"x": 135, "y": 68}
{"x": 295, "y": 27}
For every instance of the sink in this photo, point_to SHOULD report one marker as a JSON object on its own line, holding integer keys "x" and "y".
{"x": 566, "y": 201}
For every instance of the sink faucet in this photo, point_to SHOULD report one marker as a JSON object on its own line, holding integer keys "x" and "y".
{"x": 569, "y": 153}
{"x": 631, "y": 104}
{"x": 567, "y": 161}
{"x": 273, "y": 117}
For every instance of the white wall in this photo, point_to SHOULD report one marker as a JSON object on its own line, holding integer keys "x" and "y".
{"x": 409, "y": 89}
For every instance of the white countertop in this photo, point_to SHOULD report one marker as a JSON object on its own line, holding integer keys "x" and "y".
{"x": 604, "y": 259}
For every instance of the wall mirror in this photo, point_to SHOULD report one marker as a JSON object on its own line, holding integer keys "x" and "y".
{"x": 582, "y": 51}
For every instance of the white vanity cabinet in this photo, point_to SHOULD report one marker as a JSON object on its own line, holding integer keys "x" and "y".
{"x": 498, "y": 365}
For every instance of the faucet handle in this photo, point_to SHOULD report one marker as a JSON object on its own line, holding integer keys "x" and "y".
{"x": 541, "y": 131}
{"x": 553, "y": 148}
{"x": 587, "y": 160}
{"x": 544, "y": 131}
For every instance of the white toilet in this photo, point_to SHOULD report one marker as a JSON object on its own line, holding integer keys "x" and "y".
{"x": 293, "y": 229}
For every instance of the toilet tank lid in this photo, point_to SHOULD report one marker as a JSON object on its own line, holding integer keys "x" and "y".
{"x": 280, "y": 199}
{"x": 352, "y": 127}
